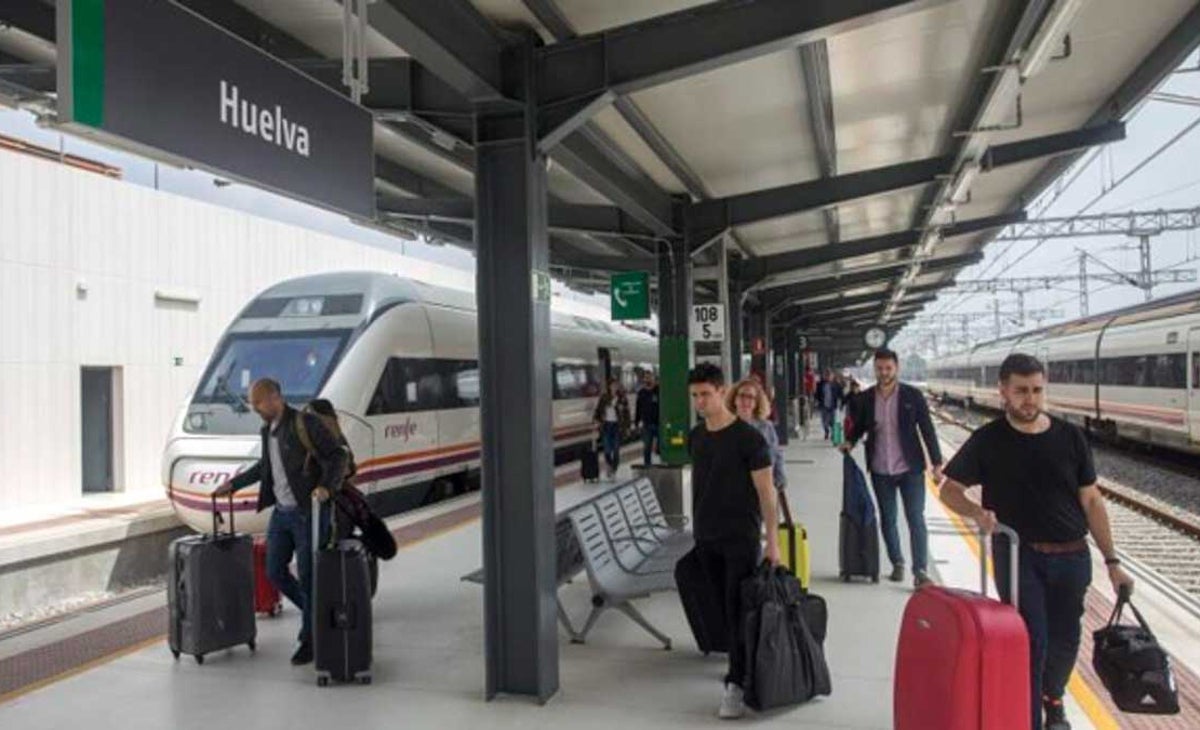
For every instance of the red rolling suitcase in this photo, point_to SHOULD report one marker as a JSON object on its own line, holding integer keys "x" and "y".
{"x": 267, "y": 600}
{"x": 963, "y": 659}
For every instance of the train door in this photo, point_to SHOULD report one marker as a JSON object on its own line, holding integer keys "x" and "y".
{"x": 1193, "y": 404}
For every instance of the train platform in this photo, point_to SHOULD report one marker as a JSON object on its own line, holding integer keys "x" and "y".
{"x": 112, "y": 664}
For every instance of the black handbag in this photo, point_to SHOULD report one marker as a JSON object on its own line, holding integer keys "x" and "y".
{"x": 1135, "y": 669}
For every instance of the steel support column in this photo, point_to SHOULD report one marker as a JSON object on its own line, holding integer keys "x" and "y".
{"x": 513, "y": 290}
{"x": 674, "y": 348}
{"x": 736, "y": 328}
{"x": 793, "y": 377}
{"x": 779, "y": 381}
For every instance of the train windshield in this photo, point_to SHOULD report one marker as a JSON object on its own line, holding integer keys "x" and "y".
{"x": 300, "y": 361}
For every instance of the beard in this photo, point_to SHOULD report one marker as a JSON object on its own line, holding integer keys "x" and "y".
{"x": 1022, "y": 415}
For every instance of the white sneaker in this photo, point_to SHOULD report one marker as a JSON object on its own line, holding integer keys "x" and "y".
{"x": 733, "y": 704}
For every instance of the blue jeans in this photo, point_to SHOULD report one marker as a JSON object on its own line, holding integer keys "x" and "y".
{"x": 911, "y": 487}
{"x": 1052, "y": 589}
{"x": 610, "y": 434}
{"x": 290, "y": 532}
{"x": 649, "y": 440}
{"x": 827, "y": 415}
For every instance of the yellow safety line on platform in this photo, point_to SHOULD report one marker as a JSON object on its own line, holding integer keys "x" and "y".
{"x": 1091, "y": 705}
{"x": 133, "y": 648}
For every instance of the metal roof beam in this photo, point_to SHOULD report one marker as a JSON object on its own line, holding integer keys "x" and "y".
{"x": 798, "y": 309}
{"x": 410, "y": 181}
{"x": 857, "y": 313}
{"x": 753, "y": 272}
{"x": 451, "y": 38}
{"x": 401, "y": 88}
{"x": 796, "y": 198}
{"x": 814, "y": 66}
{"x": 598, "y": 220}
{"x": 852, "y": 280}
{"x": 33, "y": 17}
{"x": 578, "y": 77}
{"x": 593, "y": 159}
{"x": 1168, "y": 55}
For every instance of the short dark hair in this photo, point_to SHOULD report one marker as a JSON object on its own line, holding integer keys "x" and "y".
{"x": 1019, "y": 363}
{"x": 706, "y": 372}
{"x": 885, "y": 354}
{"x": 267, "y": 385}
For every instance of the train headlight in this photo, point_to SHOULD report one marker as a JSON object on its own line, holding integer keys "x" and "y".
{"x": 196, "y": 421}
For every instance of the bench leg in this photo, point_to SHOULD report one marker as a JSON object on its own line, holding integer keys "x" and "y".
{"x": 627, "y": 608}
{"x": 565, "y": 620}
{"x": 597, "y": 609}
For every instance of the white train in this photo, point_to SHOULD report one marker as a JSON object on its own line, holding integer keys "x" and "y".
{"x": 1133, "y": 373}
{"x": 399, "y": 360}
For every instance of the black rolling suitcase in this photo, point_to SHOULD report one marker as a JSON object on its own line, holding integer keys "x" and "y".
{"x": 858, "y": 529}
{"x": 858, "y": 550}
{"x": 703, "y": 603}
{"x": 210, "y": 591}
{"x": 342, "y": 632}
{"x": 589, "y": 463}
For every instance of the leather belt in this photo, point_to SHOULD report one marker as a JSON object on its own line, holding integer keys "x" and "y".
{"x": 1055, "y": 548}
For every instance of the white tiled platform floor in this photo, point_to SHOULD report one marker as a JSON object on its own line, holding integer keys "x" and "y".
{"x": 429, "y": 656}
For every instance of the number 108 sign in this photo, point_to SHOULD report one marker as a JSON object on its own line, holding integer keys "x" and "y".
{"x": 708, "y": 322}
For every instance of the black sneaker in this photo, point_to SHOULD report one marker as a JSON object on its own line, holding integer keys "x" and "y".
{"x": 921, "y": 579}
{"x": 1056, "y": 715}
{"x": 897, "y": 573}
{"x": 303, "y": 655}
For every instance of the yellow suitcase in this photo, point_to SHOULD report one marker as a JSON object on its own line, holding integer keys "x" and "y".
{"x": 793, "y": 544}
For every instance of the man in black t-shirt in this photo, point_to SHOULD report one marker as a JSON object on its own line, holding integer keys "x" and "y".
{"x": 1038, "y": 478}
{"x": 733, "y": 495}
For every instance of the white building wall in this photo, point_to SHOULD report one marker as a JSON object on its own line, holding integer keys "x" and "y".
{"x": 63, "y": 230}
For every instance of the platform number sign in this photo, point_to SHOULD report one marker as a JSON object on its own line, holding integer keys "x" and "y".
{"x": 708, "y": 322}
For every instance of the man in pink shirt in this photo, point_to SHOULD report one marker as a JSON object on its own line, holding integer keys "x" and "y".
{"x": 894, "y": 418}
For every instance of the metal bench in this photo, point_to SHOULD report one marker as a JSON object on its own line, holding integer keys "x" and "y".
{"x": 627, "y": 555}
{"x": 569, "y": 564}
{"x": 622, "y": 540}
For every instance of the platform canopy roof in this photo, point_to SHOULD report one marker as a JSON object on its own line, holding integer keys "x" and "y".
{"x": 854, "y": 154}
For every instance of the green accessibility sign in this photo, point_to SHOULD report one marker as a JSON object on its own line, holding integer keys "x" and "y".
{"x": 631, "y": 295}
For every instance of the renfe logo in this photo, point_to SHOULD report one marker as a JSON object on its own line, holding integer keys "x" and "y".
{"x": 215, "y": 476}
{"x": 270, "y": 126}
{"x": 404, "y": 431}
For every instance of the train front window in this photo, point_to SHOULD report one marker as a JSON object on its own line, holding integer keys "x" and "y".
{"x": 299, "y": 361}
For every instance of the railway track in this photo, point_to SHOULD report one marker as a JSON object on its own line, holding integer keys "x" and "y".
{"x": 1152, "y": 534}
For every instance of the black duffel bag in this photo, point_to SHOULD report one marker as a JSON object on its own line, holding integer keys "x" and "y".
{"x": 1134, "y": 668}
{"x": 785, "y": 664}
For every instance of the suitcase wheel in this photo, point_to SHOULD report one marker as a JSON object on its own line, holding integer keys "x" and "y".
{"x": 874, "y": 579}
{"x": 251, "y": 645}
{"x": 322, "y": 681}
{"x": 199, "y": 658}
{"x": 175, "y": 654}
{"x": 365, "y": 679}
{"x": 845, "y": 577}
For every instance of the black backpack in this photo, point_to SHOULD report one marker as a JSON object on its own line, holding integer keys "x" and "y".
{"x": 1135, "y": 669}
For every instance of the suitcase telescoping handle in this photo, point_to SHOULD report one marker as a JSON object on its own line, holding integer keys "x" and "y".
{"x": 217, "y": 519}
{"x": 1014, "y": 544}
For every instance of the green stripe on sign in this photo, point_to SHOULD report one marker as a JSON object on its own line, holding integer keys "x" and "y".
{"x": 87, "y": 56}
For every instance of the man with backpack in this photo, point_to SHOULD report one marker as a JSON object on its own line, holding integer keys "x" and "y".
{"x": 300, "y": 461}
